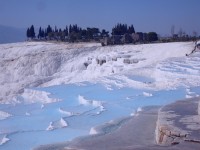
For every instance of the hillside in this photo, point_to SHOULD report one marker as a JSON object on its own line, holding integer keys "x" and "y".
{"x": 32, "y": 64}
{"x": 53, "y": 92}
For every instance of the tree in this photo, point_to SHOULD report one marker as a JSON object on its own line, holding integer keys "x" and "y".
{"x": 152, "y": 36}
{"x": 89, "y": 33}
{"x": 66, "y": 31}
{"x": 84, "y": 34}
{"x": 40, "y": 33}
{"x": 73, "y": 36}
{"x": 45, "y": 33}
{"x": 131, "y": 29}
{"x": 121, "y": 29}
{"x": 49, "y": 29}
{"x": 50, "y": 35}
{"x": 32, "y": 32}
{"x": 28, "y": 34}
{"x": 70, "y": 28}
{"x": 104, "y": 33}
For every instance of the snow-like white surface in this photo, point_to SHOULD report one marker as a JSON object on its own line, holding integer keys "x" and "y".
{"x": 63, "y": 123}
{"x": 93, "y": 131}
{"x": 139, "y": 109}
{"x": 57, "y": 124}
{"x": 69, "y": 89}
{"x": 94, "y": 103}
{"x": 147, "y": 94}
{"x": 42, "y": 106}
{"x": 28, "y": 114}
{"x": 4, "y": 115}
{"x": 4, "y": 140}
{"x": 68, "y": 113}
{"x": 31, "y": 64}
{"x": 198, "y": 42}
{"x": 33, "y": 96}
{"x": 50, "y": 127}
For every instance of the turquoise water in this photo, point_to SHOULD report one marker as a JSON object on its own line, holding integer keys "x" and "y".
{"x": 27, "y": 126}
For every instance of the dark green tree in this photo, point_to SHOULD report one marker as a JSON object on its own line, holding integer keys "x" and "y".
{"x": 73, "y": 36}
{"x": 32, "y": 32}
{"x": 28, "y": 34}
{"x": 49, "y": 29}
{"x": 84, "y": 34}
{"x": 121, "y": 29}
{"x": 104, "y": 33}
{"x": 152, "y": 36}
{"x": 70, "y": 28}
{"x": 40, "y": 33}
{"x": 66, "y": 31}
{"x": 45, "y": 33}
{"x": 131, "y": 29}
{"x": 89, "y": 34}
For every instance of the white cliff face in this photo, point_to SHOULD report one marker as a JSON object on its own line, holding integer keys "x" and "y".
{"x": 33, "y": 64}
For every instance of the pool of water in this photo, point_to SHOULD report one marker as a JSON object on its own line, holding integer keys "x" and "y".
{"x": 81, "y": 108}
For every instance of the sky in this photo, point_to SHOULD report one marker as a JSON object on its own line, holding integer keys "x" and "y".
{"x": 145, "y": 15}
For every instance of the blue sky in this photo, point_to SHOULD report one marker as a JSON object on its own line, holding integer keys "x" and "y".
{"x": 145, "y": 15}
